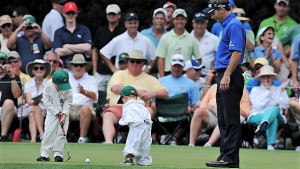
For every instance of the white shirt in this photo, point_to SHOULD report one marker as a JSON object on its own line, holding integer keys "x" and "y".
{"x": 208, "y": 46}
{"x": 30, "y": 87}
{"x": 52, "y": 21}
{"x": 124, "y": 43}
{"x": 3, "y": 42}
{"x": 134, "y": 111}
{"x": 88, "y": 82}
{"x": 262, "y": 98}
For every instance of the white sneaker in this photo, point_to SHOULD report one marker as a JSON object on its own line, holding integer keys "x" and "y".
{"x": 207, "y": 145}
{"x": 82, "y": 140}
{"x": 271, "y": 147}
{"x": 297, "y": 148}
{"x": 191, "y": 145}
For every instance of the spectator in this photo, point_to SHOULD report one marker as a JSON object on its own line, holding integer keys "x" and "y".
{"x": 54, "y": 20}
{"x": 230, "y": 82}
{"x": 32, "y": 45}
{"x": 15, "y": 64}
{"x": 170, "y": 8}
{"x": 6, "y": 28}
{"x": 183, "y": 85}
{"x": 122, "y": 61}
{"x": 266, "y": 36}
{"x": 148, "y": 87}
{"x": 9, "y": 91}
{"x": 138, "y": 119}
{"x": 178, "y": 40}
{"x": 267, "y": 101}
{"x": 295, "y": 66}
{"x": 193, "y": 71}
{"x": 104, "y": 35}
{"x": 287, "y": 39}
{"x": 18, "y": 14}
{"x": 207, "y": 42}
{"x": 53, "y": 59}
{"x": 205, "y": 117}
{"x": 85, "y": 94}
{"x": 128, "y": 41}
{"x": 34, "y": 108}
{"x": 73, "y": 37}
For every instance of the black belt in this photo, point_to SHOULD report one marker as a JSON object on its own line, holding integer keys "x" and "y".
{"x": 224, "y": 69}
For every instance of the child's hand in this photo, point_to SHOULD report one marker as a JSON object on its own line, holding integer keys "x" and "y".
{"x": 62, "y": 120}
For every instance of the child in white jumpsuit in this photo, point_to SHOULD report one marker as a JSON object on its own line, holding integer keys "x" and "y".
{"x": 138, "y": 119}
{"x": 57, "y": 98}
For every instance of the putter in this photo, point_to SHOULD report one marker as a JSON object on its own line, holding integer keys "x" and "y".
{"x": 66, "y": 141}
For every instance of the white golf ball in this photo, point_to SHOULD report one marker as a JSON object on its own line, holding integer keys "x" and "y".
{"x": 87, "y": 160}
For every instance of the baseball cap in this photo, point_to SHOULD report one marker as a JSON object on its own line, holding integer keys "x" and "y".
{"x": 212, "y": 6}
{"x": 70, "y": 6}
{"x": 131, "y": 15}
{"x": 127, "y": 91}
{"x": 193, "y": 64}
{"x": 61, "y": 79}
{"x": 13, "y": 54}
{"x": 231, "y": 3}
{"x": 160, "y": 10}
{"x": 284, "y": 1}
{"x": 61, "y": 2}
{"x": 200, "y": 16}
{"x": 178, "y": 12}
{"x": 123, "y": 56}
{"x": 263, "y": 30}
{"x": 5, "y": 19}
{"x": 177, "y": 59}
{"x": 113, "y": 8}
{"x": 3, "y": 56}
{"x": 169, "y": 4}
{"x": 28, "y": 18}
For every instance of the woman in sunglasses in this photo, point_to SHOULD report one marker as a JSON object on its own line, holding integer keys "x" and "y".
{"x": 34, "y": 109}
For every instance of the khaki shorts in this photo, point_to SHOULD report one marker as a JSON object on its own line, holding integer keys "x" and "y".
{"x": 213, "y": 121}
{"x": 74, "y": 112}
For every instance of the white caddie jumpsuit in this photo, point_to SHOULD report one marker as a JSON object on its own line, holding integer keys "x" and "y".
{"x": 138, "y": 119}
{"x": 55, "y": 102}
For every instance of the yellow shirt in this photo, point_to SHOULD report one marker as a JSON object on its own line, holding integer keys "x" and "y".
{"x": 141, "y": 82}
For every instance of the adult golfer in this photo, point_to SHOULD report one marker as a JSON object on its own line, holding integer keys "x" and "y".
{"x": 57, "y": 98}
{"x": 230, "y": 82}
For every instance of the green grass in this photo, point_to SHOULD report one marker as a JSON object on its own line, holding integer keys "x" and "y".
{"x": 23, "y": 155}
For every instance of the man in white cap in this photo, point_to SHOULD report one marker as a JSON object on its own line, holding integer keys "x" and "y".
{"x": 178, "y": 40}
{"x": 104, "y": 35}
{"x": 6, "y": 27}
{"x": 183, "y": 85}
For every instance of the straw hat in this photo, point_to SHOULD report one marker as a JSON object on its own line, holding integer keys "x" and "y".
{"x": 29, "y": 67}
{"x": 266, "y": 70}
{"x": 137, "y": 55}
{"x": 79, "y": 59}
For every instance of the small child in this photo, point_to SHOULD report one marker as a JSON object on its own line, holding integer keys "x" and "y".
{"x": 57, "y": 98}
{"x": 138, "y": 119}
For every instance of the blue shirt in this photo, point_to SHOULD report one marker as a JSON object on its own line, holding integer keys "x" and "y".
{"x": 255, "y": 82}
{"x": 260, "y": 51}
{"x": 183, "y": 85}
{"x": 217, "y": 28}
{"x": 233, "y": 39}
{"x": 149, "y": 34}
{"x": 30, "y": 51}
{"x": 63, "y": 36}
{"x": 296, "y": 49}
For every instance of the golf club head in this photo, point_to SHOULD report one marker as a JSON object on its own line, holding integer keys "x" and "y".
{"x": 69, "y": 157}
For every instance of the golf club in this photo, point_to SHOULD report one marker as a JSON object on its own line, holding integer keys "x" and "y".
{"x": 66, "y": 141}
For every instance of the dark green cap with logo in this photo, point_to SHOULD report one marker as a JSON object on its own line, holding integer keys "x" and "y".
{"x": 61, "y": 79}
{"x": 127, "y": 91}
{"x": 3, "y": 56}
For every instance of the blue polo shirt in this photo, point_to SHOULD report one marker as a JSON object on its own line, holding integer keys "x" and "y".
{"x": 29, "y": 51}
{"x": 296, "y": 50}
{"x": 63, "y": 36}
{"x": 233, "y": 39}
{"x": 149, "y": 34}
{"x": 260, "y": 51}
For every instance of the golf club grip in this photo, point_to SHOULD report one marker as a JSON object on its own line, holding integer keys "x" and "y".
{"x": 61, "y": 125}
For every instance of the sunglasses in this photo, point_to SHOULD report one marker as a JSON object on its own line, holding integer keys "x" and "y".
{"x": 3, "y": 63}
{"x": 14, "y": 16}
{"x": 70, "y": 13}
{"x": 135, "y": 61}
{"x": 177, "y": 60}
{"x": 13, "y": 61}
{"x": 6, "y": 25}
{"x": 53, "y": 61}
{"x": 80, "y": 65}
{"x": 257, "y": 68}
{"x": 38, "y": 67}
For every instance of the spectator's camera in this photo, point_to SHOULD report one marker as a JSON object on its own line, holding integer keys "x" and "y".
{"x": 29, "y": 27}
{"x": 2, "y": 68}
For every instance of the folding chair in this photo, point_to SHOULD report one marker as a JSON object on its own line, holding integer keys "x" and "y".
{"x": 171, "y": 109}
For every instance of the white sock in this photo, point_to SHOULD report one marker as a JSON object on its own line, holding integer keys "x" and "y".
{"x": 81, "y": 140}
{"x": 271, "y": 147}
{"x": 207, "y": 145}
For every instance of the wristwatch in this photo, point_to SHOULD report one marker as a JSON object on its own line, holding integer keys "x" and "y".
{"x": 149, "y": 67}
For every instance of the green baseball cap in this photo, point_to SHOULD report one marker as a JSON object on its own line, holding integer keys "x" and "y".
{"x": 127, "y": 91}
{"x": 61, "y": 79}
{"x": 29, "y": 18}
{"x": 3, "y": 56}
{"x": 123, "y": 56}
